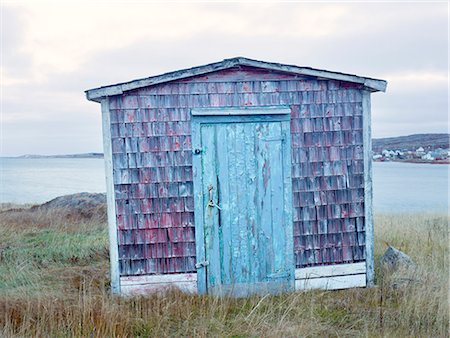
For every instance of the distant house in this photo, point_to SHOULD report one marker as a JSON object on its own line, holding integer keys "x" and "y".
{"x": 239, "y": 177}
{"x": 439, "y": 153}
{"x": 388, "y": 153}
{"x": 420, "y": 151}
{"x": 428, "y": 157}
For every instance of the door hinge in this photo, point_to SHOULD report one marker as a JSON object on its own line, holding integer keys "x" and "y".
{"x": 200, "y": 265}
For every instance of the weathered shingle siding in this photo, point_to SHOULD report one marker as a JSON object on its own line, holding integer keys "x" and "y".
{"x": 152, "y": 162}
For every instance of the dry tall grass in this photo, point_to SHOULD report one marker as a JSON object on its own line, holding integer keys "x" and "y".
{"x": 54, "y": 282}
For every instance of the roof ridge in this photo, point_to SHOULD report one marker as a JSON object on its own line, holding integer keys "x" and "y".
{"x": 96, "y": 94}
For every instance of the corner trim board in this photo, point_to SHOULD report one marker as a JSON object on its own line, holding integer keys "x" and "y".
{"x": 110, "y": 198}
{"x": 368, "y": 191}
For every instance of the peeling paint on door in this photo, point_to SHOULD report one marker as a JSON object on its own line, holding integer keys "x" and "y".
{"x": 244, "y": 174}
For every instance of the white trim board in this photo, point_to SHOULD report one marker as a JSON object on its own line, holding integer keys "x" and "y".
{"x": 331, "y": 283}
{"x": 331, "y": 277}
{"x": 368, "y": 189}
{"x": 142, "y": 285}
{"x": 330, "y": 270}
{"x": 110, "y": 198}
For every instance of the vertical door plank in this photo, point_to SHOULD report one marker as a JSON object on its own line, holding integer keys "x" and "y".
{"x": 212, "y": 245}
{"x": 234, "y": 192}
{"x": 243, "y": 263}
{"x": 225, "y": 202}
{"x": 264, "y": 201}
{"x": 250, "y": 192}
{"x": 199, "y": 207}
{"x": 276, "y": 190}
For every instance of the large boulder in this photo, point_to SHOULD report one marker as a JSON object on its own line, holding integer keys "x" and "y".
{"x": 81, "y": 205}
{"x": 394, "y": 260}
{"x": 398, "y": 269}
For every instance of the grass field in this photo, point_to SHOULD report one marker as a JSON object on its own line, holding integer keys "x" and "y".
{"x": 54, "y": 282}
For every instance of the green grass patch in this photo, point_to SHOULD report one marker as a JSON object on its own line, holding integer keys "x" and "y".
{"x": 54, "y": 282}
{"x": 36, "y": 260}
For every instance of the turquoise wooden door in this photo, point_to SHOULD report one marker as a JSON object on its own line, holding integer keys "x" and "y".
{"x": 243, "y": 178}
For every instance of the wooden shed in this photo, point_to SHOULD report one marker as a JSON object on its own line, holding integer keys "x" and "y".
{"x": 239, "y": 177}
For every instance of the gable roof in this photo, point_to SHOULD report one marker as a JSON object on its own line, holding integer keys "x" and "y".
{"x": 96, "y": 94}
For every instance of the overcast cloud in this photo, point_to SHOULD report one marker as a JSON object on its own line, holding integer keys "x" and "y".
{"x": 53, "y": 51}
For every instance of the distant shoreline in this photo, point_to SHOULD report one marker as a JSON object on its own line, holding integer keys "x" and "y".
{"x": 100, "y": 156}
{"x": 406, "y": 144}
{"x": 415, "y": 161}
{"x": 86, "y": 155}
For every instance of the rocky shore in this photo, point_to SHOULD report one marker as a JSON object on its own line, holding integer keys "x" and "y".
{"x": 75, "y": 206}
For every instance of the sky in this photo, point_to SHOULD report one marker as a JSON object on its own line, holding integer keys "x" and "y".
{"x": 52, "y": 51}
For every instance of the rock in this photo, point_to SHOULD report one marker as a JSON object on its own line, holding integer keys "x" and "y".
{"x": 86, "y": 205}
{"x": 75, "y": 201}
{"x": 398, "y": 269}
{"x": 394, "y": 259}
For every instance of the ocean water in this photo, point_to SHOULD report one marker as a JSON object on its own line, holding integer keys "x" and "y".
{"x": 398, "y": 187}
{"x": 407, "y": 187}
{"x": 38, "y": 180}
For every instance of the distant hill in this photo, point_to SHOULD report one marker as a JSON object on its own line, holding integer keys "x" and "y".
{"x": 86, "y": 155}
{"x": 412, "y": 142}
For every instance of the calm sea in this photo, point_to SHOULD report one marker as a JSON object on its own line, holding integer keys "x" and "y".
{"x": 398, "y": 187}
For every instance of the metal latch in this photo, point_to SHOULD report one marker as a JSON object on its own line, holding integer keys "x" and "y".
{"x": 211, "y": 202}
{"x": 200, "y": 265}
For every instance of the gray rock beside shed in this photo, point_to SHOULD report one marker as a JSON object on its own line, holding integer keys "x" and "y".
{"x": 81, "y": 205}
{"x": 394, "y": 259}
